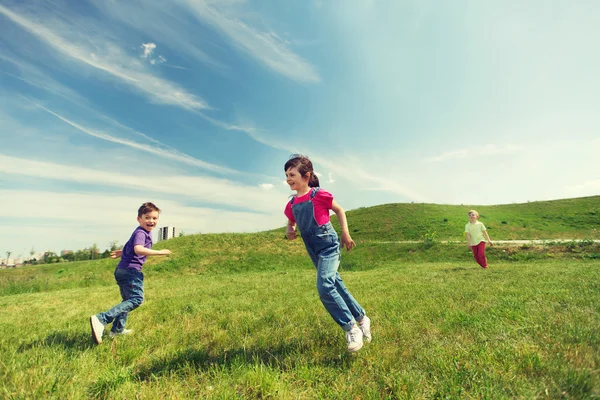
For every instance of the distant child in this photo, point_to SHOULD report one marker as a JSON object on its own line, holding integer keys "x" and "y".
{"x": 476, "y": 237}
{"x": 129, "y": 274}
{"x": 309, "y": 209}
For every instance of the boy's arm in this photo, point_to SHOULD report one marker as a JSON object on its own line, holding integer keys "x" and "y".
{"x": 142, "y": 251}
{"x": 116, "y": 254}
{"x": 468, "y": 239}
{"x": 347, "y": 241}
{"x": 485, "y": 233}
{"x": 290, "y": 231}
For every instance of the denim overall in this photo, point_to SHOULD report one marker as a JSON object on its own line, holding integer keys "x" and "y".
{"x": 323, "y": 246}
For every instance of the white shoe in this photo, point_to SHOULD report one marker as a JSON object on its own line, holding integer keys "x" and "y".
{"x": 355, "y": 339}
{"x": 97, "y": 329}
{"x": 112, "y": 334}
{"x": 365, "y": 327}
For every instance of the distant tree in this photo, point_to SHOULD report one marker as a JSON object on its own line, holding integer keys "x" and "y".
{"x": 31, "y": 253}
{"x": 181, "y": 233}
{"x": 113, "y": 245}
{"x": 106, "y": 253}
{"x": 8, "y": 253}
{"x": 94, "y": 251}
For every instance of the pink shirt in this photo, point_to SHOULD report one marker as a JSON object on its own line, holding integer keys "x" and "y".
{"x": 321, "y": 205}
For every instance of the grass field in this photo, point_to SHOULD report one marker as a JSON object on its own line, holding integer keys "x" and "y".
{"x": 238, "y": 316}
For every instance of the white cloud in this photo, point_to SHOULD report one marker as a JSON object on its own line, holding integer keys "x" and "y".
{"x": 148, "y": 49}
{"x": 266, "y": 47}
{"x": 207, "y": 189}
{"x": 267, "y": 186}
{"x": 65, "y": 221}
{"x": 164, "y": 152}
{"x": 110, "y": 59}
{"x": 480, "y": 151}
{"x": 330, "y": 176}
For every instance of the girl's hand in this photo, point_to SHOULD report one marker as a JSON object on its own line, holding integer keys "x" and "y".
{"x": 116, "y": 253}
{"x": 347, "y": 241}
{"x": 290, "y": 233}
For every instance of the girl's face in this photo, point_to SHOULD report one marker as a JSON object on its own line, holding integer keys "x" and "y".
{"x": 296, "y": 181}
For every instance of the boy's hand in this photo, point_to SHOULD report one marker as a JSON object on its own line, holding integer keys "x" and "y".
{"x": 347, "y": 241}
{"x": 290, "y": 233}
{"x": 491, "y": 244}
{"x": 116, "y": 253}
{"x": 165, "y": 252}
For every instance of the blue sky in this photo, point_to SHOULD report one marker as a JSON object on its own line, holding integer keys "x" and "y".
{"x": 196, "y": 105}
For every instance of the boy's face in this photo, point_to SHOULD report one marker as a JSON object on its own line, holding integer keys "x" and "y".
{"x": 148, "y": 221}
{"x": 473, "y": 217}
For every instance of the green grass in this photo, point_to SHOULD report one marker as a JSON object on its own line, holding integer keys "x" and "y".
{"x": 559, "y": 219}
{"x": 238, "y": 316}
{"x": 441, "y": 330}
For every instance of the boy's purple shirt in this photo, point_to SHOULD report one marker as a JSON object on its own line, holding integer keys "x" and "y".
{"x": 128, "y": 258}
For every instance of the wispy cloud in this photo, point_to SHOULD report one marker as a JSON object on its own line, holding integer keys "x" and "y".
{"x": 113, "y": 219}
{"x": 35, "y": 77}
{"x": 222, "y": 193}
{"x": 266, "y": 47}
{"x": 164, "y": 151}
{"x": 480, "y": 151}
{"x": 110, "y": 59}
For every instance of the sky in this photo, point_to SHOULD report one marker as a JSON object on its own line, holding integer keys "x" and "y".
{"x": 196, "y": 105}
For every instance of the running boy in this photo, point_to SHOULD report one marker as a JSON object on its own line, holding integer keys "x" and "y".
{"x": 476, "y": 232}
{"x": 128, "y": 274}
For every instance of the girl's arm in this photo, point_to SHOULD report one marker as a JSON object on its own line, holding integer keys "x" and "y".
{"x": 142, "y": 251}
{"x": 290, "y": 231}
{"x": 347, "y": 241}
{"x": 468, "y": 239}
{"x": 488, "y": 237}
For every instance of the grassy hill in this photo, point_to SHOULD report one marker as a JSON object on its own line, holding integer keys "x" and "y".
{"x": 238, "y": 316}
{"x": 558, "y": 219}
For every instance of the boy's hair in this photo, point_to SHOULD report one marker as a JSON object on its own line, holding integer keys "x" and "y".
{"x": 304, "y": 166}
{"x": 147, "y": 208}
{"x": 474, "y": 212}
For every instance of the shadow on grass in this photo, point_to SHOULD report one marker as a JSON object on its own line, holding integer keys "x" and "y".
{"x": 283, "y": 358}
{"x": 75, "y": 341}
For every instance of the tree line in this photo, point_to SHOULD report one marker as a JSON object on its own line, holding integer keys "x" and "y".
{"x": 91, "y": 253}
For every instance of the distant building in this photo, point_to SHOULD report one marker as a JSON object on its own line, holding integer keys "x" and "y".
{"x": 65, "y": 252}
{"x": 167, "y": 232}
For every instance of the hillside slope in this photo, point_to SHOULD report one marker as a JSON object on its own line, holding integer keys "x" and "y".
{"x": 577, "y": 218}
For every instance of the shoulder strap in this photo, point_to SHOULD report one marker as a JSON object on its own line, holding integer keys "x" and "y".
{"x": 314, "y": 192}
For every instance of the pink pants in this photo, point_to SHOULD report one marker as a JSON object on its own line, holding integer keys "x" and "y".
{"x": 479, "y": 254}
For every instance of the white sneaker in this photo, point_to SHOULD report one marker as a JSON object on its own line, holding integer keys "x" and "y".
{"x": 355, "y": 339}
{"x": 112, "y": 334}
{"x": 97, "y": 329}
{"x": 365, "y": 327}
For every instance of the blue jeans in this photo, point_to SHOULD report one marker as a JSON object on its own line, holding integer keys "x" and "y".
{"x": 325, "y": 251}
{"x": 131, "y": 285}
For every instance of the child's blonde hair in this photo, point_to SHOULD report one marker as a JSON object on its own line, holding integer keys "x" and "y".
{"x": 474, "y": 213}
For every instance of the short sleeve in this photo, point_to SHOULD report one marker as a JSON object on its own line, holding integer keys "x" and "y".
{"x": 483, "y": 228}
{"x": 288, "y": 212}
{"x": 139, "y": 238}
{"x": 324, "y": 199}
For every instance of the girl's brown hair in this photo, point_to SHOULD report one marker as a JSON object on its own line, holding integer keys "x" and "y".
{"x": 304, "y": 166}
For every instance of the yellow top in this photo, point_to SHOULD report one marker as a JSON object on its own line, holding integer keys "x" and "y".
{"x": 476, "y": 231}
